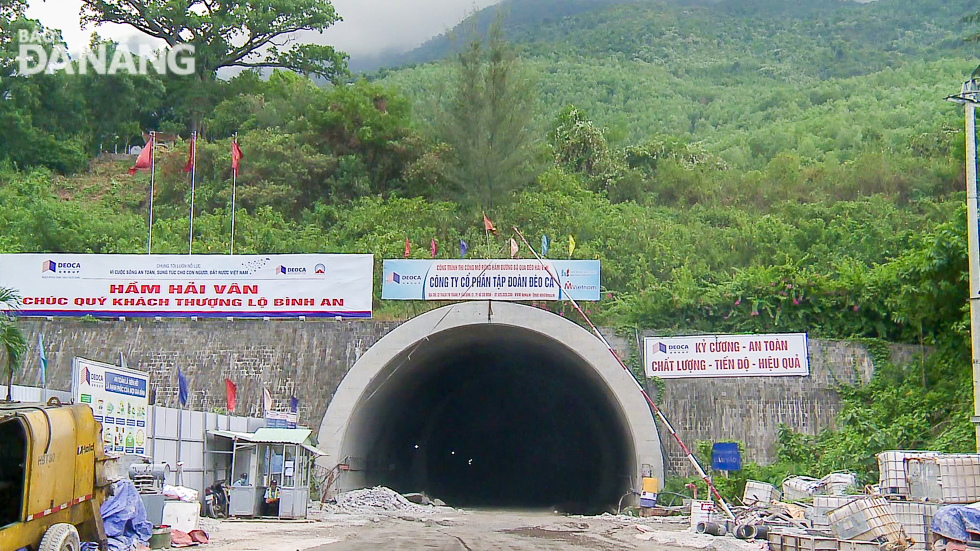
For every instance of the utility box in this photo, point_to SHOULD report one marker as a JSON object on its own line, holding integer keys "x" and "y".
{"x": 893, "y": 474}
{"x": 759, "y": 492}
{"x": 867, "y": 519}
{"x": 916, "y": 518}
{"x": 948, "y": 478}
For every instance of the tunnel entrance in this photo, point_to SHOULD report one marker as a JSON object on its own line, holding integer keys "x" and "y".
{"x": 482, "y": 413}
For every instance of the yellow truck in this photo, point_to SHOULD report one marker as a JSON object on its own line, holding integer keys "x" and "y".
{"x": 53, "y": 477}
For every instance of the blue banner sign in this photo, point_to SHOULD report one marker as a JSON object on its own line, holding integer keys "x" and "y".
{"x": 476, "y": 279}
{"x": 726, "y": 457}
{"x": 125, "y": 384}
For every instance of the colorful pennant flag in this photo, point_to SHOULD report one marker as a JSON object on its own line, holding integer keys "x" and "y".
{"x": 43, "y": 360}
{"x": 236, "y": 154}
{"x": 433, "y": 247}
{"x": 181, "y": 388}
{"x": 571, "y": 246}
{"x": 462, "y": 248}
{"x": 544, "y": 245}
{"x": 190, "y": 156}
{"x": 488, "y": 225}
{"x": 267, "y": 398}
{"x": 513, "y": 248}
{"x": 408, "y": 248}
{"x": 231, "y": 394}
{"x": 145, "y": 160}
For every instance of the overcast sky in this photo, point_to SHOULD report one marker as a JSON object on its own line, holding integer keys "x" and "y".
{"x": 369, "y": 26}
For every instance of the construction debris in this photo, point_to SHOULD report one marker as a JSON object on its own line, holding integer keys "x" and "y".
{"x": 376, "y": 500}
{"x": 869, "y": 519}
{"x": 759, "y": 493}
{"x": 803, "y": 487}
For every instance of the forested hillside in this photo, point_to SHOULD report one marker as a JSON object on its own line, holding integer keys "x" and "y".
{"x": 736, "y": 166}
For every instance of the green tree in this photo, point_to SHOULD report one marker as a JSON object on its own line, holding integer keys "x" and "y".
{"x": 234, "y": 33}
{"x": 43, "y": 119}
{"x": 372, "y": 123}
{"x": 10, "y": 10}
{"x": 116, "y": 102}
{"x": 12, "y": 343}
{"x": 488, "y": 122}
{"x": 973, "y": 18}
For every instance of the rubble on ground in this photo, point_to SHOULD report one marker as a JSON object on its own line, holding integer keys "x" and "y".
{"x": 686, "y": 539}
{"x": 377, "y": 500}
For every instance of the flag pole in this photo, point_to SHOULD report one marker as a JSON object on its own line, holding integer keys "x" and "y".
{"x": 43, "y": 360}
{"x": 488, "y": 243}
{"x": 190, "y": 238}
{"x": 234, "y": 175}
{"x": 149, "y": 238}
{"x": 180, "y": 439}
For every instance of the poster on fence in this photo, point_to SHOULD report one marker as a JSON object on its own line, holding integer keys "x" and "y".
{"x": 119, "y": 400}
{"x": 764, "y": 355}
{"x": 278, "y": 286}
{"x": 490, "y": 280}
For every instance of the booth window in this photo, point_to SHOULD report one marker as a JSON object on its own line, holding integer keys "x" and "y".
{"x": 289, "y": 467}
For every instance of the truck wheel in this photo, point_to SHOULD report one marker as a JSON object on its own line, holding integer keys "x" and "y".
{"x": 60, "y": 537}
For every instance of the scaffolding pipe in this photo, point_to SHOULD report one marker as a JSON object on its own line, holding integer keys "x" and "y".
{"x": 653, "y": 406}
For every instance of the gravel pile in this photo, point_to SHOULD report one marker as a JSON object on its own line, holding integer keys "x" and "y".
{"x": 375, "y": 500}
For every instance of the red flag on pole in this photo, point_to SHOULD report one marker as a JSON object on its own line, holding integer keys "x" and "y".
{"x": 408, "y": 248}
{"x": 488, "y": 225}
{"x": 433, "y": 247}
{"x": 143, "y": 162}
{"x": 236, "y": 154}
{"x": 190, "y": 156}
{"x": 232, "y": 392}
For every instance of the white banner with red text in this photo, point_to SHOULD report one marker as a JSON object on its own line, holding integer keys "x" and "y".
{"x": 766, "y": 355}
{"x": 242, "y": 286}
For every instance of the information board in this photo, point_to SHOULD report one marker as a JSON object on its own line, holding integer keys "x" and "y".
{"x": 119, "y": 399}
{"x": 765, "y": 355}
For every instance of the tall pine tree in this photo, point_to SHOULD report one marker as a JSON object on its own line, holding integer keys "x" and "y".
{"x": 488, "y": 122}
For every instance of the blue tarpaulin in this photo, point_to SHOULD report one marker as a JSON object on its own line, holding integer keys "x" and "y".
{"x": 124, "y": 519}
{"x": 956, "y": 522}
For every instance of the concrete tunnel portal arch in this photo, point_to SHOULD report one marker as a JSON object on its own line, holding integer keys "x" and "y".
{"x": 492, "y": 404}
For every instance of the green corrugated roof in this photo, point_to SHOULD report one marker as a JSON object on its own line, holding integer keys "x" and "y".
{"x": 282, "y": 436}
{"x": 274, "y": 436}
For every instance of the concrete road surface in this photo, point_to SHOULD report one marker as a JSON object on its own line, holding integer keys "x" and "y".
{"x": 469, "y": 531}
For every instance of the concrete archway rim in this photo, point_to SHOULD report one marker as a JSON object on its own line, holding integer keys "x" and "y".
{"x": 634, "y": 413}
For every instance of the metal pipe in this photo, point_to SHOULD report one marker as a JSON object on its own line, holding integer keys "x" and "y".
{"x": 656, "y": 410}
{"x": 711, "y": 528}
{"x": 970, "y": 93}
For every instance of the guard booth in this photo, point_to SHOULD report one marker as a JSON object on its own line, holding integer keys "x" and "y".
{"x": 285, "y": 456}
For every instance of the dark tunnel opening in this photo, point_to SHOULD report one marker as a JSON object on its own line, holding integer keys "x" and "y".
{"x": 495, "y": 416}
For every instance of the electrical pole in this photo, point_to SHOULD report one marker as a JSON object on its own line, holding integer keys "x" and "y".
{"x": 969, "y": 97}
